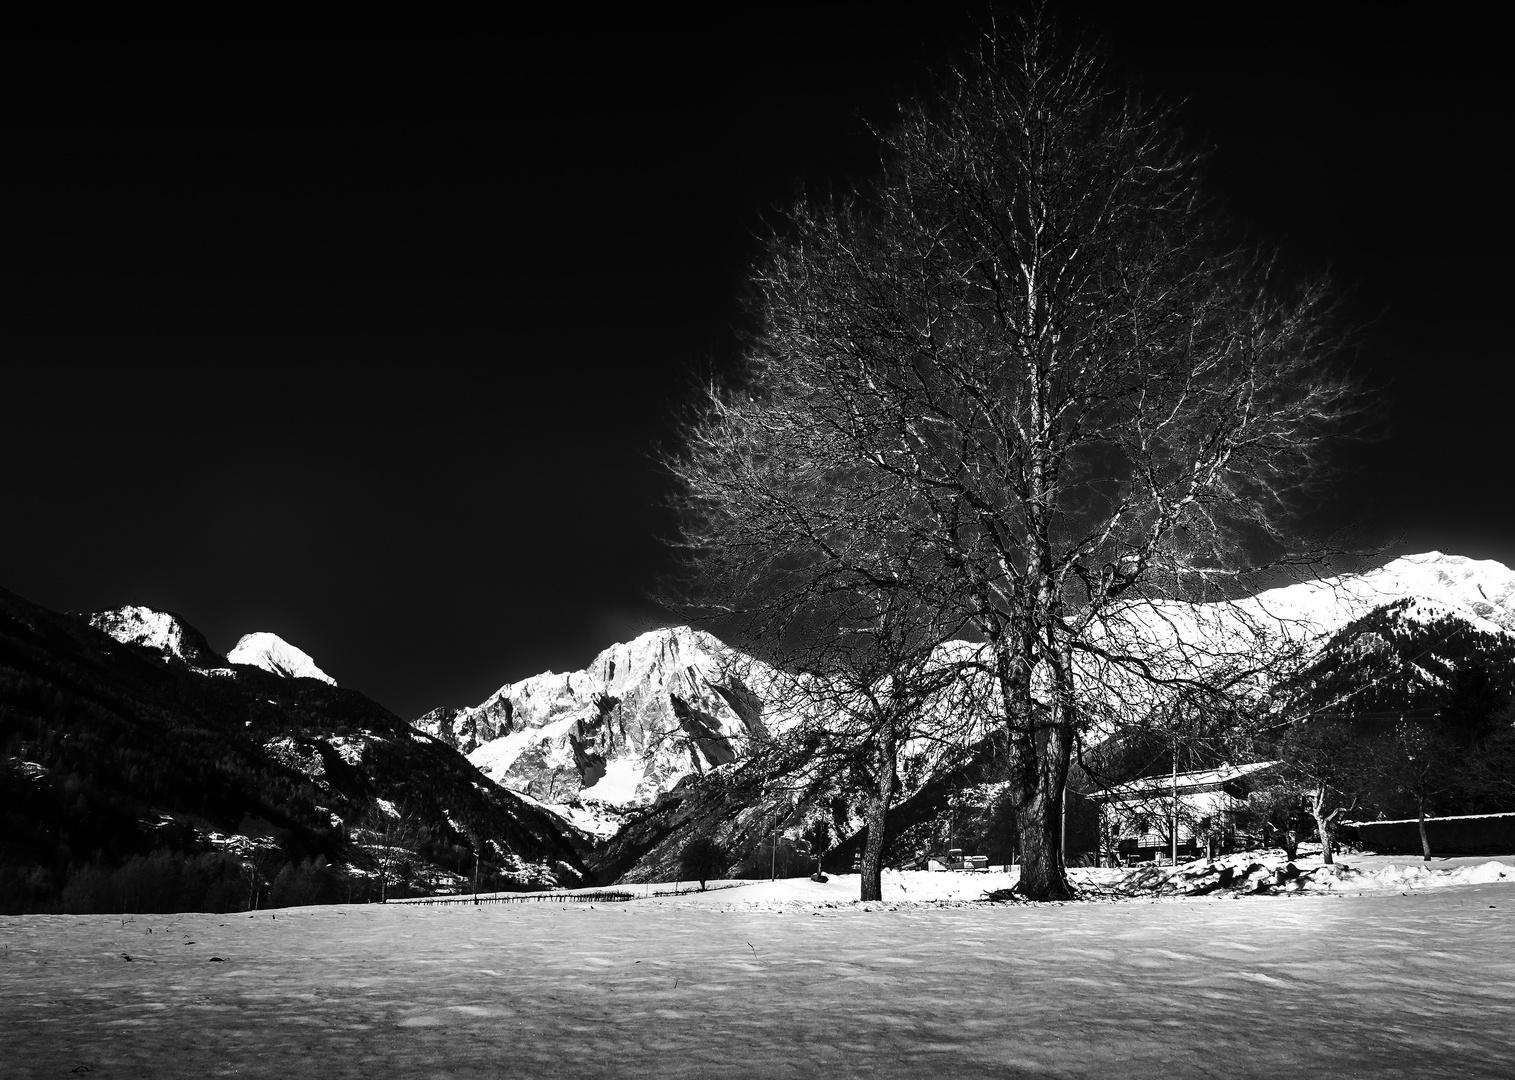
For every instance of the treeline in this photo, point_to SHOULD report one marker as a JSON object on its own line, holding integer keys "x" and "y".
{"x": 167, "y": 881}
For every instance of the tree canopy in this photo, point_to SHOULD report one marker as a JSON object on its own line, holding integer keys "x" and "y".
{"x": 1018, "y": 390}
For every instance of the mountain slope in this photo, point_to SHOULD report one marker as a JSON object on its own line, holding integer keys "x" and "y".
{"x": 107, "y": 753}
{"x": 640, "y": 717}
{"x": 1409, "y": 655}
{"x": 647, "y": 713}
{"x": 1429, "y": 632}
{"x": 1479, "y": 592}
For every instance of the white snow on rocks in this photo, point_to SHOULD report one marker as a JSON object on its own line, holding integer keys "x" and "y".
{"x": 161, "y": 631}
{"x": 173, "y": 639}
{"x": 137, "y": 625}
{"x": 1479, "y": 591}
{"x": 272, "y": 653}
{"x": 612, "y": 732}
{"x": 640, "y": 717}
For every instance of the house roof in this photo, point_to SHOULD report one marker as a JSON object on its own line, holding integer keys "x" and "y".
{"x": 1188, "y": 783}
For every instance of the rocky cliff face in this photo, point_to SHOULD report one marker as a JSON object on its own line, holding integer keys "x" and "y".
{"x": 630, "y": 725}
{"x": 162, "y": 631}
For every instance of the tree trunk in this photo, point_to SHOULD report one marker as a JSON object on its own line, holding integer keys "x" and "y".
{"x": 872, "y": 862}
{"x": 1039, "y": 817}
{"x": 1425, "y": 841}
{"x": 1040, "y": 824}
{"x": 1323, "y": 823}
{"x": 1048, "y": 746}
{"x": 1039, "y": 747}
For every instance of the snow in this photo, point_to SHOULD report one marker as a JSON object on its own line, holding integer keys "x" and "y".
{"x": 1360, "y": 874}
{"x": 494, "y": 758}
{"x": 1480, "y": 591}
{"x": 1447, "y": 817}
{"x": 161, "y": 631}
{"x": 526, "y": 729}
{"x": 1182, "y": 636}
{"x": 350, "y": 747}
{"x": 272, "y": 653}
{"x": 622, "y": 784}
{"x": 1381, "y": 984}
{"x": 137, "y": 625}
{"x": 587, "y": 815}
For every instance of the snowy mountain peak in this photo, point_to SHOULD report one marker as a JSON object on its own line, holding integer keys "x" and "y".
{"x": 1480, "y": 591}
{"x": 628, "y": 726}
{"x": 162, "y": 631}
{"x": 272, "y": 653}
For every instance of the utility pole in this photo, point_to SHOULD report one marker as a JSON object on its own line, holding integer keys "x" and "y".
{"x": 1175, "y": 802}
{"x": 1063, "y": 827}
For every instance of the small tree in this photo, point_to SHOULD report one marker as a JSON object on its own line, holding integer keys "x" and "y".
{"x": 1278, "y": 810}
{"x": 387, "y": 833}
{"x": 1415, "y": 765}
{"x": 1329, "y": 763}
{"x": 859, "y": 699}
{"x": 702, "y": 859}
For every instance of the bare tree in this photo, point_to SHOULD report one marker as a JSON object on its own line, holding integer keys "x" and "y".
{"x": 1330, "y": 763}
{"x": 1028, "y": 355}
{"x": 859, "y": 697}
{"x": 388, "y": 834}
{"x": 1416, "y": 764}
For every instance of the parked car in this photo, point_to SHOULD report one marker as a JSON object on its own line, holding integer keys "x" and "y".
{"x": 956, "y": 860}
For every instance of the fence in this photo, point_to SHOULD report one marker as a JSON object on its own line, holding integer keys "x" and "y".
{"x": 1473, "y": 834}
{"x": 612, "y": 897}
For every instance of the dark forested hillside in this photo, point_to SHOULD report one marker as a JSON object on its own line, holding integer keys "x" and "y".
{"x": 1409, "y": 656}
{"x": 1406, "y": 712}
{"x": 115, "y": 760}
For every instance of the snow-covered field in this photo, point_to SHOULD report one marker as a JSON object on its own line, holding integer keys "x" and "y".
{"x": 1387, "y": 980}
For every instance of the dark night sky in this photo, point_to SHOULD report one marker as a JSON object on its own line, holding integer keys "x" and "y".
{"x": 365, "y": 344}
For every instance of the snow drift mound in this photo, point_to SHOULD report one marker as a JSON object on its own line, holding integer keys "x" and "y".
{"x": 1260, "y": 873}
{"x": 272, "y": 653}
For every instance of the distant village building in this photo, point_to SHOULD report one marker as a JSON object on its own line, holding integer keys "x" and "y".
{"x": 1137, "y": 819}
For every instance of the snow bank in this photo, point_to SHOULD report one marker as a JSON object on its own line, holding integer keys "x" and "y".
{"x": 1253, "y": 872}
{"x": 1245, "y": 873}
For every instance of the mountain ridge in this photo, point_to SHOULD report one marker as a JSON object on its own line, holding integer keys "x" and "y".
{"x": 555, "y": 735}
{"x": 624, "y": 729}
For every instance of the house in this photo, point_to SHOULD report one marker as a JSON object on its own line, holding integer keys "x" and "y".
{"x": 1136, "y": 819}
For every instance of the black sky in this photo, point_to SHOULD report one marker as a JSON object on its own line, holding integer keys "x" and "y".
{"x": 365, "y": 343}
